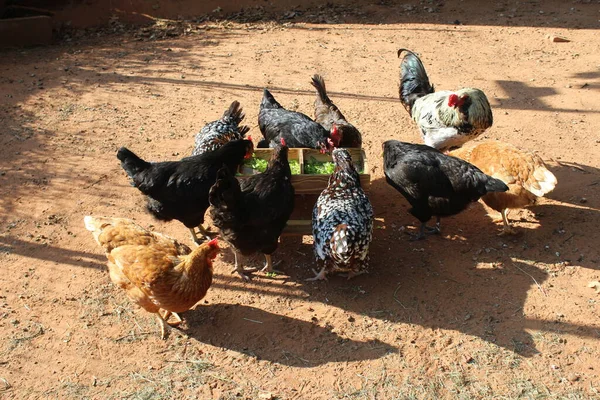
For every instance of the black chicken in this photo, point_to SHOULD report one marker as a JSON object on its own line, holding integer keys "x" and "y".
{"x": 331, "y": 118}
{"x": 434, "y": 183}
{"x": 179, "y": 189}
{"x": 297, "y": 129}
{"x": 252, "y": 212}
{"x": 342, "y": 221}
{"x": 216, "y": 133}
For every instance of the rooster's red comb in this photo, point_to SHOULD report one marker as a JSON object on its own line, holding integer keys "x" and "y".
{"x": 214, "y": 243}
{"x": 282, "y": 141}
{"x": 249, "y": 138}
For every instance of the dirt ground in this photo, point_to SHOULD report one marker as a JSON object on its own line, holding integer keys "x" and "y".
{"x": 465, "y": 315}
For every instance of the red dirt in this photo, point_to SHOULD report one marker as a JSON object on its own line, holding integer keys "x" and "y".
{"x": 464, "y": 315}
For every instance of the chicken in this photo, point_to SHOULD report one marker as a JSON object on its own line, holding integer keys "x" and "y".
{"x": 525, "y": 174}
{"x": 216, "y": 133}
{"x": 446, "y": 119}
{"x": 331, "y": 118}
{"x": 434, "y": 183}
{"x": 252, "y": 212}
{"x": 158, "y": 273}
{"x": 179, "y": 189}
{"x": 297, "y": 129}
{"x": 342, "y": 221}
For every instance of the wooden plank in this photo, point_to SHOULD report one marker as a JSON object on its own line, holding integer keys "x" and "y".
{"x": 298, "y": 227}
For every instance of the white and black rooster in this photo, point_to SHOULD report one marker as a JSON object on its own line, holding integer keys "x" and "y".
{"x": 216, "y": 133}
{"x": 447, "y": 119}
{"x": 342, "y": 221}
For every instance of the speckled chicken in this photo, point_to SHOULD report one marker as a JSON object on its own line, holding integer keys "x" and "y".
{"x": 158, "y": 273}
{"x": 524, "y": 172}
{"x": 342, "y": 221}
{"x": 446, "y": 119}
{"x": 331, "y": 118}
{"x": 216, "y": 133}
{"x": 434, "y": 183}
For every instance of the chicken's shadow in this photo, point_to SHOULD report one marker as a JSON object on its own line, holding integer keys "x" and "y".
{"x": 277, "y": 338}
{"x": 468, "y": 279}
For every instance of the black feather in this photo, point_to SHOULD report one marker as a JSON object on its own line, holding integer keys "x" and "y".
{"x": 432, "y": 182}
{"x": 414, "y": 82}
{"x": 179, "y": 189}
{"x": 252, "y": 212}
{"x": 298, "y": 130}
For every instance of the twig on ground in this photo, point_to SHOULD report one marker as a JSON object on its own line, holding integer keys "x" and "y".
{"x": 529, "y": 275}
{"x": 396, "y": 298}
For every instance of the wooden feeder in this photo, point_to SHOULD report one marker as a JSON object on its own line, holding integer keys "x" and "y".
{"x": 309, "y": 186}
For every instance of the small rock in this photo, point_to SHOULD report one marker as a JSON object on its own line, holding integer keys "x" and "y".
{"x": 351, "y": 319}
{"x": 267, "y": 396}
{"x": 573, "y": 377}
{"x": 583, "y": 200}
{"x": 558, "y": 39}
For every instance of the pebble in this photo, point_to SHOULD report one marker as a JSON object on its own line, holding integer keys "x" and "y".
{"x": 573, "y": 377}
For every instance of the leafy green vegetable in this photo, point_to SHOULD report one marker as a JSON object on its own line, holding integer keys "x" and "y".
{"x": 260, "y": 165}
{"x": 319, "y": 167}
{"x": 257, "y": 164}
{"x": 295, "y": 167}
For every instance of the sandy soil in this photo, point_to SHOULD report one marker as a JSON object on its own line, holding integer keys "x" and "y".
{"x": 464, "y": 315}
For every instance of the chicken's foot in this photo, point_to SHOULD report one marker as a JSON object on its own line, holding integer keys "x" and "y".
{"x": 168, "y": 314}
{"x": 163, "y": 326}
{"x": 506, "y": 229}
{"x": 239, "y": 268}
{"x": 268, "y": 268}
{"x": 352, "y": 274}
{"x": 206, "y": 232}
{"x": 319, "y": 276}
{"x": 425, "y": 230}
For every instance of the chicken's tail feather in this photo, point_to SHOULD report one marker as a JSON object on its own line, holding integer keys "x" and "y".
{"x": 131, "y": 163}
{"x": 243, "y": 130}
{"x": 226, "y": 190}
{"x": 268, "y": 101}
{"x": 319, "y": 83}
{"x": 341, "y": 243}
{"x": 414, "y": 82}
{"x": 263, "y": 144}
{"x": 545, "y": 182}
{"x": 234, "y": 113}
{"x": 495, "y": 185}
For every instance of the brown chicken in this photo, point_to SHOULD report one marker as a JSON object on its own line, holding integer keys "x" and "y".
{"x": 331, "y": 118}
{"x": 158, "y": 273}
{"x": 525, "y": 174}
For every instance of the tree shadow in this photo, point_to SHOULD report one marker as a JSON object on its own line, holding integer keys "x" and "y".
{"x": 504, "y": 13}
{"x": 276, "y": 338}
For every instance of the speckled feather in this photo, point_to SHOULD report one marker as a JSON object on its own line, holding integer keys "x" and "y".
{"x": 441, "y": 126}
{"x": 216, "y": 133}
{"x": 343, "y": 220}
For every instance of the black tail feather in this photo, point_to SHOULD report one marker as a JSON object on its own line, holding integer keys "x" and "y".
{"x": 226, "y": 191}
{"x": 243, "y": 130}
{"x": 319, "y": 83}
{"x": 234, "y": 113}
{"x": 263, "y": 144}
{"x": 495, "y": 185}
{"x": 131, "y": 163}
{"x": 414, "y": 82}
{"x": 268, "y": 101}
